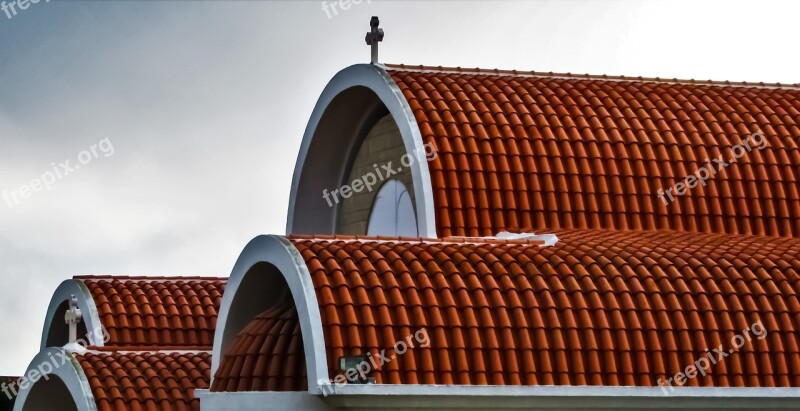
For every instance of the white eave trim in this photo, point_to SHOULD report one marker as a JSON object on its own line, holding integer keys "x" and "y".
{"x": 561, "y": 391}
{"x": 493, "y": 397}
{"x": 459, "y": 397}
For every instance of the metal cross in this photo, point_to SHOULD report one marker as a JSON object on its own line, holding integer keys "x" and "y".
{"x": 73, "y": 317}
{"x": 374, "y": 37}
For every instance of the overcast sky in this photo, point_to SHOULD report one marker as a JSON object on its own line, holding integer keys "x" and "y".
{"x": 205, "y": 104}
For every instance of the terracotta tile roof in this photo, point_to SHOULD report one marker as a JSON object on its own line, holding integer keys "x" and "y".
{"x": 146, "y": 381}
{"x": 613, "y": 308}
{"x": 157, "y": 311}
{"x": 267, "y": 355}
{"x": 543, "y": 150}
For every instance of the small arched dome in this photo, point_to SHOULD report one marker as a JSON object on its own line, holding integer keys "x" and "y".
{"x": 146, "y": 343}
{"x": 105, "y": 381}
{"x": 129, "y": 312}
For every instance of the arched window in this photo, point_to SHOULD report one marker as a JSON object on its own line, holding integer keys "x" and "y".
{"x": 392, "y": 212}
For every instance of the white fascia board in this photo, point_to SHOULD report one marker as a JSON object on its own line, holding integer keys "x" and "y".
{"x": 462, "y": 397}
{"x": 558, "y": 397}
{"x": 562, "y": 391}
{"x": 261, "y": 401}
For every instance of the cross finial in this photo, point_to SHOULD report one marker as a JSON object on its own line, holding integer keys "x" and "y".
{"x": 374, "y": 36}
{"x": 72, "y": 318}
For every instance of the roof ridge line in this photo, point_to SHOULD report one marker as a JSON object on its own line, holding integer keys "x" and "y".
{"x": 144, "y": 350}
{"x": 419, "y": 240}
{"x": 146, "y": 278}
{"x": 586, "y": 76}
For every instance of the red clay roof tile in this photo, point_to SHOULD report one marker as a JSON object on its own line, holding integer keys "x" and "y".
{"x": 599, "y": 308}
{"x": 157, "y": 311}
{"x": 564, "y": 151}
{"x": 146, "y": 381}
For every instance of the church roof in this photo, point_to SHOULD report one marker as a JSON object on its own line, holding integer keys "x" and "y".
{"x": 535, "y": 150}
{"x": 600, "y": 308}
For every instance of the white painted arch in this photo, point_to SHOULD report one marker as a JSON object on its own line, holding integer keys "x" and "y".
{"x": 89, "y": 315}
{"x": 66, "y": 372}
{"x": 240, "y": 302}
{"x": 352, "y": 101}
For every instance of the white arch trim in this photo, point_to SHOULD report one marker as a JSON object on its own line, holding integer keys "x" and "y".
{"x": 86, "y": 304}
{"x": 69, "y": 371}
{"x": 376, "y": 78}
{"x": 281, "y": 253}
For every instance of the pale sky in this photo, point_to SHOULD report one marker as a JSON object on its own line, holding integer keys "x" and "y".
{"x": 205, "y": 104}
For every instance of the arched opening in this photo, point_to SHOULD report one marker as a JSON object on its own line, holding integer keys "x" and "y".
{"x": 50, "y": 395}
{"x": 267, "y": 355}
{"x": 258, "y": 292}
{"x": 361, "y": 116}
{"x": 392, "y": 212}
{"x": 58, "y": 333}
{"x": 343, "y": 126}
{"x": 262, "y": 349}
{"x": 269, "y": 271}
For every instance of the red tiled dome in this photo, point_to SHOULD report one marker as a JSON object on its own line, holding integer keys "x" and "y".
{"x": 146, "y": 381}
{"x": 540, "y": 151}
{"x": 157, "y": 311}
{"x": 608, "y": 308}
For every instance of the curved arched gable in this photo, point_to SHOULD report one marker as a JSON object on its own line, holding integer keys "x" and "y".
{"x": 65, "y": 381}
{"x": 54, "y": 333}
{"x": 137, "y": 311}
{"x": 268, "y": 268}
{"x": 351, "y": 104}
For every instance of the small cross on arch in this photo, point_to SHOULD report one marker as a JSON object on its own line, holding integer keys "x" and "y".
{"x": 72, "y": 317}
{"x": 374, "y": 36}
